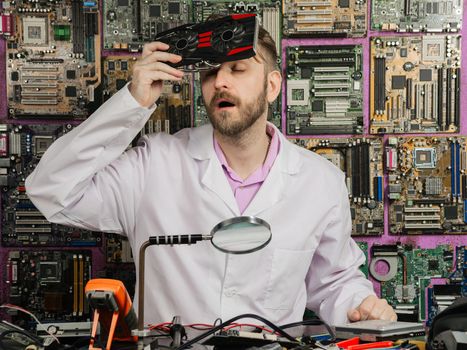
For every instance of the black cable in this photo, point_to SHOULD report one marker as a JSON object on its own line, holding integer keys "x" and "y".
{"x": 36, "y": 340}
{"x": 228, "y": 322}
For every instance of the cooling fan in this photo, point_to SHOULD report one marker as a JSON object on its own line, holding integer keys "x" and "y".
{"x": 227, "y": 37}
{"x": 203, "y": 45}
{"x": 183, "y": 44}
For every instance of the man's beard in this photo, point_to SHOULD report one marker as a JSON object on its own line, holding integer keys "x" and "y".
{"x": 249, "y": 113}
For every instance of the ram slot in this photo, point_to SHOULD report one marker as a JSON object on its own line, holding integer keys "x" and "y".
{"x": 360, "y": 163}
{"x": 77, "y": 15}
{"x": 356, "y": 172}
{"x": 379, "y": 84}
{"x": 448, "y": 97}
{"x": 441, "y": 120}
{"x": 407, "y": 5}
{"x": 81, "y": 285}
{"x": 464, "y": 187}
{"x": 75, "y": 285}
{"x": 408, "y": 96}
{"x": 465, "y": 215}
{"x": 417, "y": 102}
{"x": 171, "y": 116}
{"x": 178, "y": 118}
{"x": 457, "y": 97}
{"x": 455, "y": 171}
{"x": 187, "y": 116}
{"x": 434, "y": 100}
{"x": 458, "y": 170}
{"x": 366, "y": 170}
{"x": 137, "y": 16}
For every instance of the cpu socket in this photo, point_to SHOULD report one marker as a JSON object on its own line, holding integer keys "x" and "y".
{"x": 425, "y": 158}
{"x": 35, "y": 30}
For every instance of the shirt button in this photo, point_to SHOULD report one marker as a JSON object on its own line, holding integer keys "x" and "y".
{"x": 230, "y": 292}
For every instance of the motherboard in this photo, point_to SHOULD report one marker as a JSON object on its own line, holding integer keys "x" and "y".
{"x": 324, "y": 90}
{"x": 415, "y": 84}
{"x": 52, "y": 58}
{"x": 329, "y": 17}
{"x": 417, "y": 16}
{"x": 427, "y": 185}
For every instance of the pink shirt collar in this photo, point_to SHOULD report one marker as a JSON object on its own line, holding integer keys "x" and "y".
{"x": 245, "y": 190}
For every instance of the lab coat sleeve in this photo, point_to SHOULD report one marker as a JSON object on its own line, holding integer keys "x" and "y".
{"x": 334, "y": 282}
{"x": 85, "y": 179}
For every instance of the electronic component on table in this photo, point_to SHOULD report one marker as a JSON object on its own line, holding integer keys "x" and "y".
{"x": 324, "y": 90}
{"x": 417, "y": 16}
{"x": 415, "y": 84}
{"x": 324, "y": 18}
{"x": 113, "y": 311}
{"x": 361, "y": 159}
{"x": 53, "y": 59}
{"x": 379, "y": 330}
{"x": 24, "y": 225}
{"x": 128, "y": 24}
{"x": 427, "y": 185}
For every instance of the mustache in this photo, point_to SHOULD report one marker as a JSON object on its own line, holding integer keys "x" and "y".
{"x": 223, "y": 94}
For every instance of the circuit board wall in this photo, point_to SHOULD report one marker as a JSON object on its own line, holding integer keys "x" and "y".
{"x": 383, "y": 74}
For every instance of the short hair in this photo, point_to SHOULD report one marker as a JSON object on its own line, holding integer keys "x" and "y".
{"x": 266, "y": 46}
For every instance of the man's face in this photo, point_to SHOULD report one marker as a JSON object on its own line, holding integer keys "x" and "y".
{"x": 235, "y": 95}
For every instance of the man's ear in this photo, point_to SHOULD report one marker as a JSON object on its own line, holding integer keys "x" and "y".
{"x": 274, "y": 85}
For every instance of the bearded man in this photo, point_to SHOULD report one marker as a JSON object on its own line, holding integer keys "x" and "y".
{"x": 237, "y": 165}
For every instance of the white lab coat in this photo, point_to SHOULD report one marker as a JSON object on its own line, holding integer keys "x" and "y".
{"x": 176, "y": 185}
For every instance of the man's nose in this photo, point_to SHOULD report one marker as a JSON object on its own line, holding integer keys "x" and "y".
{"x": 222, "y": 78}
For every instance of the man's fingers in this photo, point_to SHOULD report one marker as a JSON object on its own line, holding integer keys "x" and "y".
{"x": 388, "y": 314}
{"x": 366, "y": 308}
{"x": 153, "y": 46}
{"x": 142, "y": 70}
{"x": 161, "y": 56}
{"x": 353, "y": 315}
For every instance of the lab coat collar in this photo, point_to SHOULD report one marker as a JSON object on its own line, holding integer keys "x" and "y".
{"x": 287, "y": 164}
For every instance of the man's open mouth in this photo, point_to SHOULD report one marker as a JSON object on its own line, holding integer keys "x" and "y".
{"x": 224, "y": 104}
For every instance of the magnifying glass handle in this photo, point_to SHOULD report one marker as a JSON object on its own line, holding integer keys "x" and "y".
{"x": 176, "y": 239}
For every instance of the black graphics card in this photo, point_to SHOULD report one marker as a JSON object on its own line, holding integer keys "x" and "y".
{"x": 204, "y": 45}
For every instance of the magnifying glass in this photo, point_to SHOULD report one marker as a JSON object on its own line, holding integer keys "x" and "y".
{"x": 238, "y": 235}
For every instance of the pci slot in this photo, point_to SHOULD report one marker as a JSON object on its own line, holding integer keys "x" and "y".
{"x": 408, "y": 97}
{"x": 453, "y": 170}
{"x": 465, "y": 211}
{"x": 422, "y": 226}
{"x": 421, "y": 210}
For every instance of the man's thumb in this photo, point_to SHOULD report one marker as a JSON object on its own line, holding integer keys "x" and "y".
{"x": 353, "y": 315}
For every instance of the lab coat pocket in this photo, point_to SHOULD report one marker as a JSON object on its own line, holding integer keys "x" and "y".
{"x": 287, "y": 277}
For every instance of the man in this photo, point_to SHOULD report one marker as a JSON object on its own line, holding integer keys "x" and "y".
{"x": 187, "y": 183}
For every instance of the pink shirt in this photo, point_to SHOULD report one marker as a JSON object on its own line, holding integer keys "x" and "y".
{"x": 245, "y": 190}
